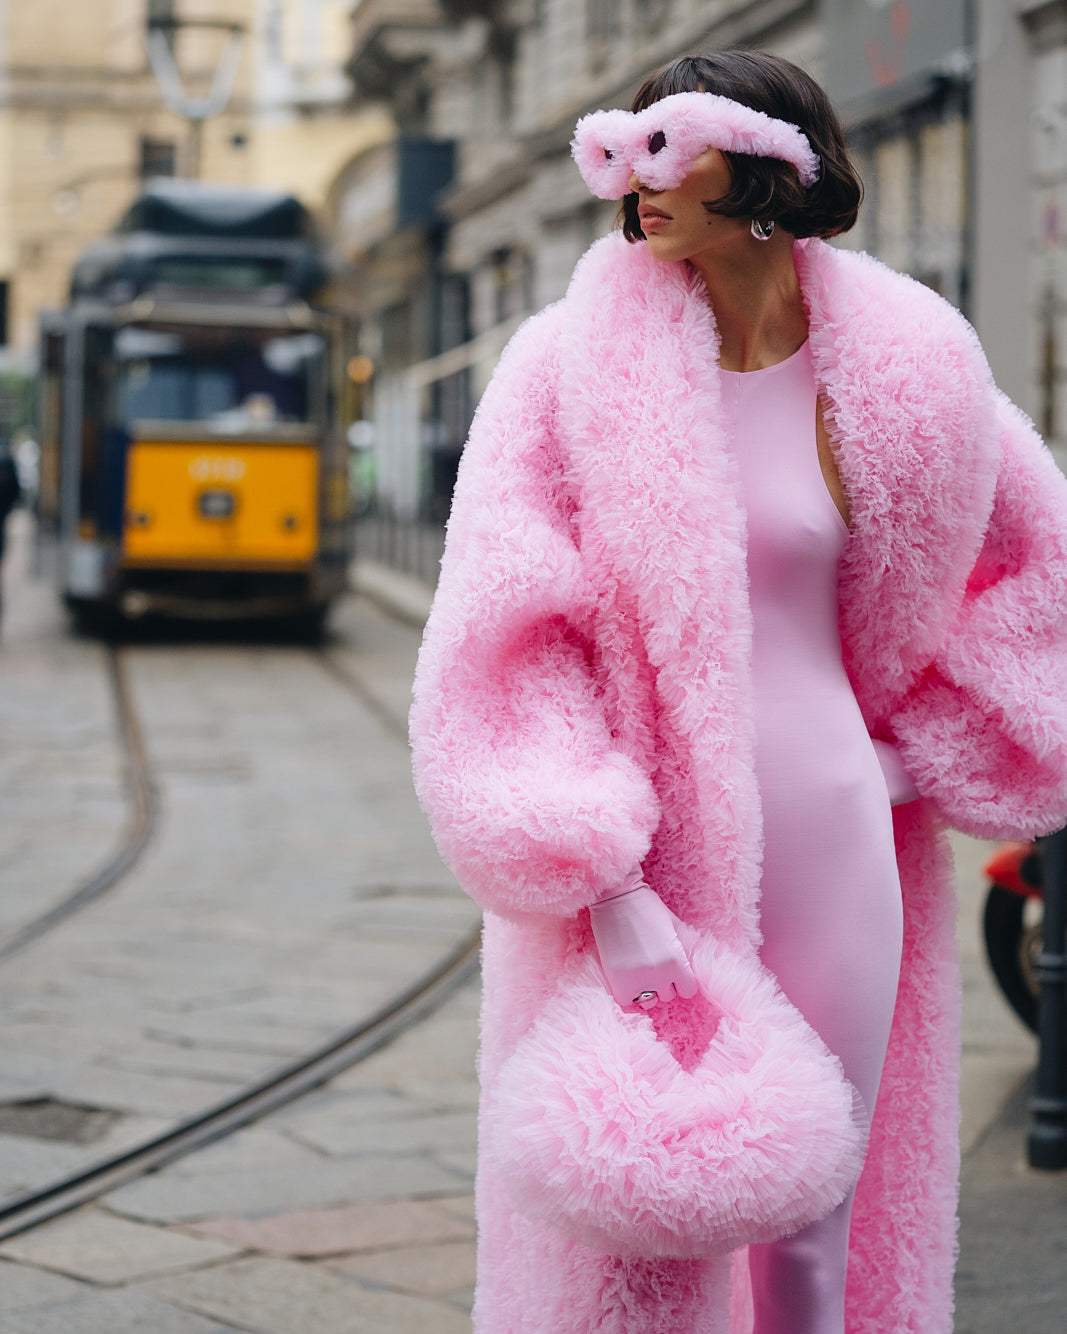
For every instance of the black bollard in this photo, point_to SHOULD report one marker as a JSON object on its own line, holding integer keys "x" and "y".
{"x": 1046, "y": 1145}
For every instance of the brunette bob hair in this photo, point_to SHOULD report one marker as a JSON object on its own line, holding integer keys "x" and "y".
{"x": 764, "y": 188}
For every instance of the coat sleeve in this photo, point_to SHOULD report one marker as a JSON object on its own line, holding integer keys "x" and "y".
{"x": 984, "y": 732}
{"x": 532, "y": 802}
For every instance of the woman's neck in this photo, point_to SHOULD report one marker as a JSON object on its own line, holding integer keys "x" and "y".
{"x": 755, "y": 296}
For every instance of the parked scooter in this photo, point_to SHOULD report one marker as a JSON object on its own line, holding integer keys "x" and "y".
{"x": 1012, "y": 924}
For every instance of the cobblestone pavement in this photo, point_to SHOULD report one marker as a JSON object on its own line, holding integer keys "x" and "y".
{"x": 291, "y": 888}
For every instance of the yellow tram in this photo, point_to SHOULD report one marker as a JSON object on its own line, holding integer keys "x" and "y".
{"x": 192, "y": 459}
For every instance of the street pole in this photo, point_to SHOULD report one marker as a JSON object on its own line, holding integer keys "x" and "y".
{"x": 1047, "y": 1140}
{"x": 192, "y": 148}
{"x": 159, "y": 43}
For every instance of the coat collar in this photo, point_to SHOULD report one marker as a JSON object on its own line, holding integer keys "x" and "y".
{"x": 910, "y": 412}
{"x": 659, "y": 516}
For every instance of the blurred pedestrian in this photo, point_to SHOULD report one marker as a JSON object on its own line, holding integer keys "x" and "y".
{"x": 746, "y": 550}
{"x": 10, "y": 495}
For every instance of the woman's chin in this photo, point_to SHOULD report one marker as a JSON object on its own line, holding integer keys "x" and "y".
{"x": 663, "y": 248}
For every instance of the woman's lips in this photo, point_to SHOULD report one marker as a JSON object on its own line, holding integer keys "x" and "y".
{"x": 651, "y": 217}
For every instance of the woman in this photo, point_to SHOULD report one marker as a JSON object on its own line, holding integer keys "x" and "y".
{"x": 746, "y": 548}
{"x": 10, "y": 495}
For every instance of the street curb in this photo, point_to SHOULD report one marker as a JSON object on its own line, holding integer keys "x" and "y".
{"x": 402, "y": 596}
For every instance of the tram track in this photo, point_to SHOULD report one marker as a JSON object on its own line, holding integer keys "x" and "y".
{"x": 282, "y": 1086}
{"x": 143, "y": 793}
{"x": 340, "y": 672}
{"x": 142, "y": 822}
{"x": 277, "y": 1087}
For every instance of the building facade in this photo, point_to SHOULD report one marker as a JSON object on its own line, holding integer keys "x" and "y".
{"x": 432, "y": 136}
{"x": 304, "y": 129}
{"x": 84, "y": 120}
{"x": 956, "y": 109}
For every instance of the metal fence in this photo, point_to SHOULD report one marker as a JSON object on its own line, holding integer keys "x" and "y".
{"x": 413, "y": 546}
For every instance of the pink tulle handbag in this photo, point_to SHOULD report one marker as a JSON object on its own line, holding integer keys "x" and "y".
{"x": 597, "y": 1129}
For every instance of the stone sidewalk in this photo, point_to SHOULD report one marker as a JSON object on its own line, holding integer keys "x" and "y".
{"x": 352, "y": 1209}
{"x": 252, "y": 1235}
{"x": 1011, "y": 1273}
{"x": 291, "y": 888}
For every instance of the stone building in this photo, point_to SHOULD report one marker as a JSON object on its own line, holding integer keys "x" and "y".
{"x": 304, "y": 129}
{"x": 83, "y": 120}
{"x": 957, "y": 109}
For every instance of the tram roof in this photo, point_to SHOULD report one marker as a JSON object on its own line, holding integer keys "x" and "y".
{"x": 171, "y": 207}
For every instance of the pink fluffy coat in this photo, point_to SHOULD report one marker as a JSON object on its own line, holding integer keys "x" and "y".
{"x": 583, "y": 703}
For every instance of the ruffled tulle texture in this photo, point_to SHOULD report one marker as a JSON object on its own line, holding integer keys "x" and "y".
{"x": 660, "y": 142}
{"x": 583, "y": 704}
{"x": 599, "y": 1130}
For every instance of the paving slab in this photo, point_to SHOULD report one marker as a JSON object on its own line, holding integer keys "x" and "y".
{"x": 334, "y": 1133}
{"x": 227, "y": 1067}
{"x": 130, "y": 1092}
{"x": 435, "y": 1063}
{"x": 444, "y": 1270}
{"x": 236, "y": 1033}
{"x": 113, "y": 1312}
{"x": 23, "y": 1287}
{"x": 257, "y": 1148}
{"x": 26, "y": 1162}
{"x": 462, "y": 1164}
{"x": 93, "y": 1244}
{"x": 167, "y": 1197}
{"x": 285, "y": 1297}
{"x": 349, "y": 1107}
{"x": 403, "y": 914}
{"x": 377, "y": 1225}
{"x": 462, "y": 1206}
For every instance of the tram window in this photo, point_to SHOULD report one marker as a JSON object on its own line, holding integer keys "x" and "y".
{"x": 174, "y": 390}
{"x": 210, "y": 271}
{"x": 288, "y": 355}
{"x": 166, "y": 377}
{"x": 95, "y": 414}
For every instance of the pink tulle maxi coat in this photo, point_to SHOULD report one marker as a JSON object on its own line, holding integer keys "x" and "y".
{"x": 583, "y": 704}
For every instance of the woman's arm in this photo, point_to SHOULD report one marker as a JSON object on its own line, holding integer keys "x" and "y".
{"x": 984, "y": 732}
{"x": 532, "y": 802}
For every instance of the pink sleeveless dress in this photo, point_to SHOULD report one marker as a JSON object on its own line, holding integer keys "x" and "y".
{"x": 831, "y": 911}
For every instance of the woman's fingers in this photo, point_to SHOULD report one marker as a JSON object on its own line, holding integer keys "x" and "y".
{"x": 642, "y": 958}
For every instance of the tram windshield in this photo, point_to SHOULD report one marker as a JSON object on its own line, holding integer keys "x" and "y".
{"x": 235, "y": 382}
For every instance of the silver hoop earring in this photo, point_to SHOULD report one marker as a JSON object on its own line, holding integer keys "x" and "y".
{"x": 762, "y": 231}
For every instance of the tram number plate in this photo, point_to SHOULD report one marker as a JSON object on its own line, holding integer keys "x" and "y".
{"x": 216, "y": 468}
{"x": 217, "y": 504}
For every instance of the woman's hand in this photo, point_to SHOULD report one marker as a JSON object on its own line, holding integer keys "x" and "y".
{"x": 897, "y": 778}
{"x": 642, "y": 958}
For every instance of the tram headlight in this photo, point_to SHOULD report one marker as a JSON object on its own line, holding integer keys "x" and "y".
{"x": 218, "y": 503}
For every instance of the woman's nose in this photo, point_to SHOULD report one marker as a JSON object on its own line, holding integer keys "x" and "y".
{"x": 635, "y": 184}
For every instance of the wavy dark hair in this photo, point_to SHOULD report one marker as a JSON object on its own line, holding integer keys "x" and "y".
{"x": 763, "y": 187}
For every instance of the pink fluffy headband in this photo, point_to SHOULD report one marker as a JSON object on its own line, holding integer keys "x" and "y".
{"x": 660, "y": 143}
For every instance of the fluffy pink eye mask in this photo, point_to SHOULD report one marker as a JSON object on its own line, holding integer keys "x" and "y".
{"x": 660, "y": 143}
